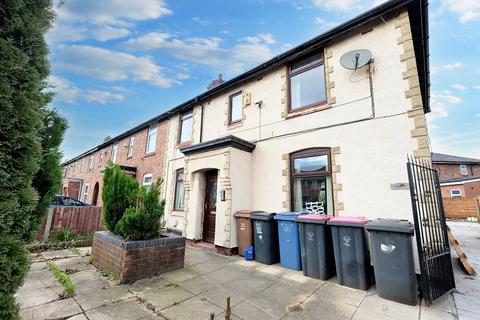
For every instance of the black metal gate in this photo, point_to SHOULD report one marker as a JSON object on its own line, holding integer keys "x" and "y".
{"x": 431, "y": 231}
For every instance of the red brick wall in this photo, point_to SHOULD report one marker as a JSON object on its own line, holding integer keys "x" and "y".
{"x": 446, "y": 190}
{"x": 152, "y": 163}
{"x": 472, "y": 189}
{"x": 137, "y": 259}
{"x": 461, "y": 208}
{"x": 450, "y": 171}
{"x": 82, "y": 220}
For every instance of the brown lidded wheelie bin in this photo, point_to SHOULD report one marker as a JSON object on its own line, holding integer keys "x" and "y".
{"x": 244, "y": 230}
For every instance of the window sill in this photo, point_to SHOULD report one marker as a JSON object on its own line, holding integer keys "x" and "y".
{"x": 184, "y": 144}
{"x": 178, "y": 213}
{"x": 148, "y": 155}
{"x": 235, "y": 125}
{"x": 303, "y": 112}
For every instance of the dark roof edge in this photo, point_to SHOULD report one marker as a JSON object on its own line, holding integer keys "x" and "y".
{"x": 418, "y": 10}
{"x": 466, "y": 179}
{"x": 224, "y": 142}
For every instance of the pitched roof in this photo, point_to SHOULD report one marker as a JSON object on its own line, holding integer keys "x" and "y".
{"x": 418, "y": 15}
{"x": 446, "y": 158}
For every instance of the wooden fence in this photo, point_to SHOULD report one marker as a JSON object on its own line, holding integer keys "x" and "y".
{"x": 461, "y": 208}
{"x": 81, "y": 220}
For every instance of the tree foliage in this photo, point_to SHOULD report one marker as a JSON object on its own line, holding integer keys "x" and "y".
{"x": 119, "y": 193}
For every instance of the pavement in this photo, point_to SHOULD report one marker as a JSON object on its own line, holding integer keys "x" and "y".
{"x": 257, "y": 291}
{"x": 467, "y": 294}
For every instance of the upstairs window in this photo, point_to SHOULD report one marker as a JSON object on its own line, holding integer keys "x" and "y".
{"x": 100, "y": 157}
{"x": 151, "y": 139}
{"x": 311, "y": 180}
{"x": 307, "y": 82}
{"x": 235, "y": 108}
{"x": 81, "y": 164}
{"x": 147, "y": 181}
{"x": 463, "y": 170}
{"x": 186, "y": 127}
{"x": 114, "y": 152}
{"x": 130, "y": 146}
{"x": 90, "y": 163}
{"x": 179, "y": 190}
{"x": 455, "y": 193}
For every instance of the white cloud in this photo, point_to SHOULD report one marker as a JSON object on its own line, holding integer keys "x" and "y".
{"x": 64, "y": 90}
{"x": 201, "y": 21}
{"x": 465, "y": 143}
{"x": 102, "y": 96}
{"x": 324, "y": 24}
{"x": 476, "y": 87}
{"x": 182, "y": 76}
{"x": 439, "y": 102}
{"x": 466, "y": 10}
{"x": 110, "y": 65}
{"x": 451, "y": 66}
{"x": 339, "y": 5}
{"x": 208, "y": 51}
{"x": 459, "y": 86}
{"x": 70, "y": 33}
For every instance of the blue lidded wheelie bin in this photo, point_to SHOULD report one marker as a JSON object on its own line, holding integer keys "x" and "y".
{"x": 351, "y": 256}
{"x": 289, "y": 240}
{"x": 316, "y": 243}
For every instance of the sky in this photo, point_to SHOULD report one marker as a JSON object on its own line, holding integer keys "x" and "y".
{"x": 117, "y": 63}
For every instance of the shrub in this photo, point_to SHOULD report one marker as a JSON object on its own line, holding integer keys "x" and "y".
{"x": 64, "y": 235}
{"x": 143, "y": 222}
{"x": 119, "y": 193}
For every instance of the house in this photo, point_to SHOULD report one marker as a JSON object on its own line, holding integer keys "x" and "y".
{"x": 459, "y": 176}
{"x": 295, "y": 132}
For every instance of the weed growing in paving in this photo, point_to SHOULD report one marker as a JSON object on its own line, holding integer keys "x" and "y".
{"x": 112, "y": 276}
{"x": 75, "y": 250}
{"x": 90, "y": 259}
{"x": 63, "y": 278}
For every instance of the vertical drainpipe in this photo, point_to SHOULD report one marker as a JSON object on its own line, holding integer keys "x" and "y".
{"x": 201, "y": 120}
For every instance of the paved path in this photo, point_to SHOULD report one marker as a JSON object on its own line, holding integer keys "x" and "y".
{"x": 257, "y": 291}
{"x": 467, "y": 295}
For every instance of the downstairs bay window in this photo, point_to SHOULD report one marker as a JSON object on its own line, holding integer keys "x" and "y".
{"x": 311, "y": 181}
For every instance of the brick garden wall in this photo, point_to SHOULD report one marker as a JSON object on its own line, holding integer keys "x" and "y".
{"x": 82, "y": 220}
{"x": 461, "y": 208}
{"x": 133, "y": 260}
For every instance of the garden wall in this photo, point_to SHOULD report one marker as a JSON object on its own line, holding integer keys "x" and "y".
{"x": 82, "y": 220}
{"x": 461, "y": 208}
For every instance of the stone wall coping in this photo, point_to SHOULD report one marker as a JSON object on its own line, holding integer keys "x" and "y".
{"x": 118, "y": 241}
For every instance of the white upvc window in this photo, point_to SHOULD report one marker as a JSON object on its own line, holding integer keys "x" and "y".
{"x": 100, "y": 158}
{"x": 147, "y": 181}
{"x": 454, "y": 193}
{"x": 81, "y": 164}
{"x": 114, "y": 152}
{"x": 90, "y": 163}
{"x": 130, "y": 146}
{"x": 85, "y": 192}
{"x": 151, "y": 139}
{"x": 463, "y": 170}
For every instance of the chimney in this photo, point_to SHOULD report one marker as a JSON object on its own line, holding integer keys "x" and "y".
{"x": 216, "y": 82}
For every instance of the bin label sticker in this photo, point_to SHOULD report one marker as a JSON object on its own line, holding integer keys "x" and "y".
{"x": 346, "y": 241}
{"x": 287, "y": 227}
{"x": 242, "y": 226}
{"x": 310, "y": 236}
{"x": 387, "y": 248}
{"x": 258, "y": 229}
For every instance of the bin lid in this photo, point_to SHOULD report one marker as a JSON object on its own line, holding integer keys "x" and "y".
{"x": 245, "y": 213}
{"x": 287, "y": 216}
{"x": 262, "y": 215}
{"x": 390, "y": 225}
{"x": 314, "y": 218}
{"x": 348, "y": 221}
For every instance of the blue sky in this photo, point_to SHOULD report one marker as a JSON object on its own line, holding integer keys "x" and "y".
{"x": 118, "y": 63}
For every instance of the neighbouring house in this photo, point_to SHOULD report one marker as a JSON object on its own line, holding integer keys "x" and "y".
{"x": 459, "y": 176}
{"x": 297, "y": 132}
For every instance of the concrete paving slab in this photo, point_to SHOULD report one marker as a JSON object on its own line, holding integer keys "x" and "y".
{"x": 36, "y": 297}
{"x": 445, "y": 304}
{"x": 278, "y": 298}
{"x": 39, "y": 265}
{"x": 394, "y": 310}
{"x": 127, "y": 309}
{"x": 306, "y": 283}
{"x": 179, "y": 275}
{"x": 85, "y": 251}
{"x": 224, "y": 275}
{"x": 58, "y": 254}
{"x": 427, "y": 313}
{"x": 52, "y": 310}
{"x": 362, "y": 314}
{"x": 74, "y": 264}
{"x": 467, "y": 315}
{"x": 78, "y": 317}
{"x": 197, "y": 285}
{"x": 341, "y": 294}
{"x": 165, "y": 297}
{"x": 251, "y": 284}
{"x": 194, "y": 308}
{"x": 218, "y": 296}
{"x": 248, "y": 310}
{"x": 94, "y": 297}
{"x": 149, "y": 284}
{"x": 203, "y": 268}
{"x": 274, "y": 271}
{"x": 318, "y": 308}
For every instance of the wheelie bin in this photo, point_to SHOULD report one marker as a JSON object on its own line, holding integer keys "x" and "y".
{"x": 265, "y": 237}
{"x": 288, "y": 240}
{"x": 351, "y": 256}
{"x": 316, "y": 246}
{"x": 244, "y": 230}
{"x": 392, "y": 254}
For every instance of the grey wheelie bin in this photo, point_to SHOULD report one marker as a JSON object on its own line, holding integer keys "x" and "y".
{"x": 392, "y": 254}
{"x": 316, "y": 246}
{"x": 351, "y": 256}
{"x": 265, "y": 237}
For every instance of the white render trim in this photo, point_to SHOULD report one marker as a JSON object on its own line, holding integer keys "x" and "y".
{"x": 458, "y": 182}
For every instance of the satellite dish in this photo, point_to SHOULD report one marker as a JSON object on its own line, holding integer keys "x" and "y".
{"x": 356, "y": 59}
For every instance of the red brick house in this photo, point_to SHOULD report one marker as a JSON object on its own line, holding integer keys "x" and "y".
{"x": 459, "y": 176}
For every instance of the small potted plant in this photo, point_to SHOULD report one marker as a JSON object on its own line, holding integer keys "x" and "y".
{"x": 135, "y": 245}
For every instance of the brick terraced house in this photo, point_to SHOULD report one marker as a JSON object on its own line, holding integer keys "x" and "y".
{"x": 296, "y": 132}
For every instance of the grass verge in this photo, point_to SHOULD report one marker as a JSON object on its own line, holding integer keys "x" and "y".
{"x": 63, "y": 278}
